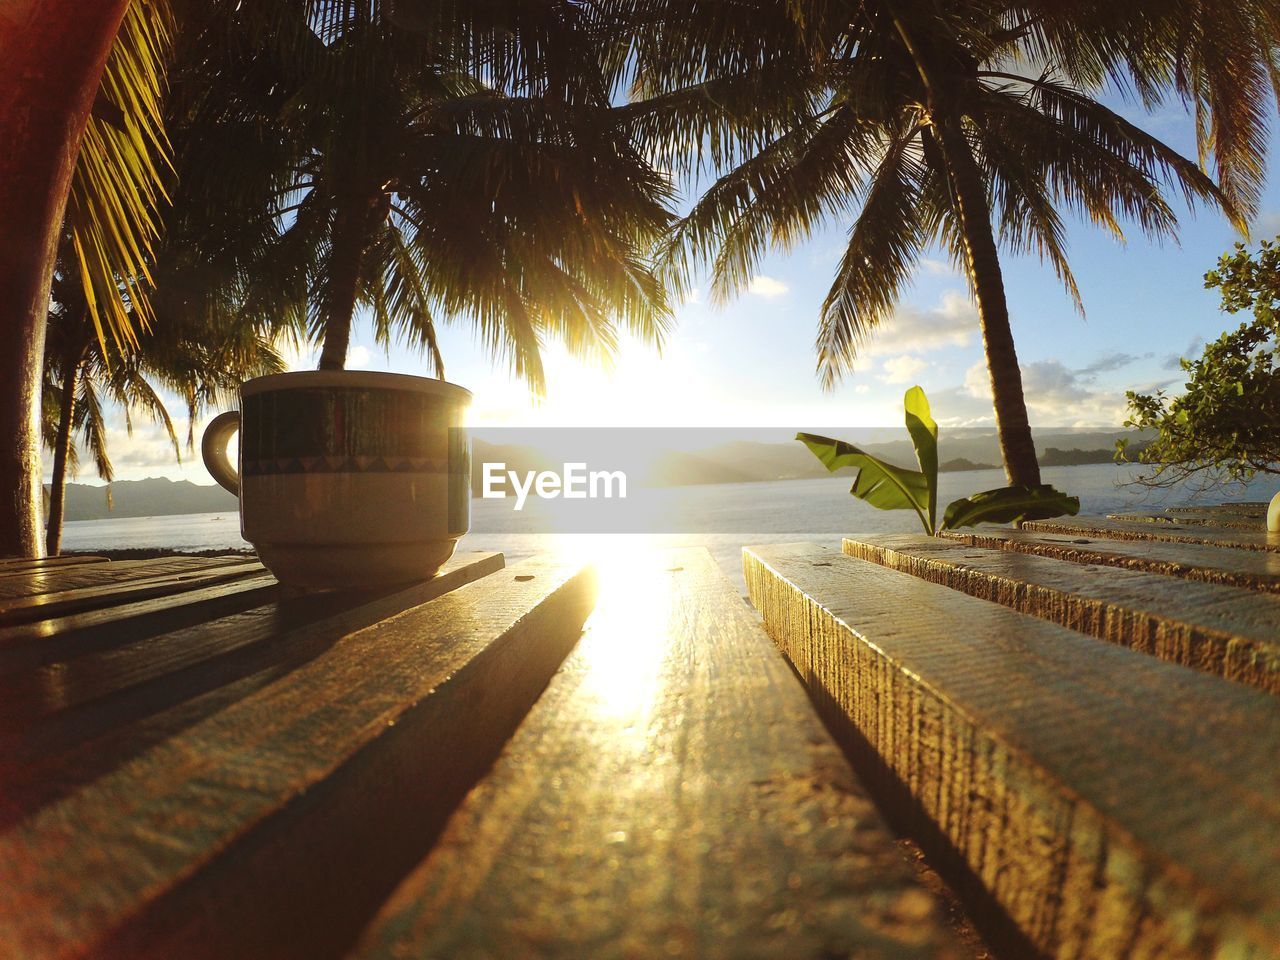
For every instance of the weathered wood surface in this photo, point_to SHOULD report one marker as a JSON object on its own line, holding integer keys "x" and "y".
{"x": 1197, "y": 518}
{"x": 119, "y": 657}
{"x": 1238, "y": 508}
{"x": 11, "y": 565}
{"x": 52, "y": 756}
{"x": 1223, "y": 630}
{"x": 48, "y": 580}
{"x": 672, "y": 794}
{"x": 274, "y": 826}
{"x": 1173, "y": 533}
{"x": 1091, "y": 801}
{"x": 1252, "y": 569}
{"x": 66, "y": 601}
{"x": 46, "y": 641}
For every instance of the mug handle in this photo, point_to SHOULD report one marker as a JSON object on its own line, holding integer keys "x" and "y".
{"x": 213, "y": 447}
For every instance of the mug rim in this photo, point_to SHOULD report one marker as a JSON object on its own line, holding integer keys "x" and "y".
{"x": 375, "y": 379}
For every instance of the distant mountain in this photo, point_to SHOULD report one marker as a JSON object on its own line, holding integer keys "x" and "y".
{"x": 153, "y": 497}
{"x": 1053, "y": 457}
{"x": 735, "y": 462}
{"x": 960, "y": 464}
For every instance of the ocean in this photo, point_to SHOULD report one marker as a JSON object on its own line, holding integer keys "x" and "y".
{"x": 818, "y": 510}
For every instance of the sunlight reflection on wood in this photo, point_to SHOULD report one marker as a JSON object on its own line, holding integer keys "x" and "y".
{"x": 624, "y": 644}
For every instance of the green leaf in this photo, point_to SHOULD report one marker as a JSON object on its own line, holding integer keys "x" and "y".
{"x": 114, "y": 207}
{"x": 1008, "y": 505}
{"x": 880, "y": 484}
{"x": 924, "y": 437}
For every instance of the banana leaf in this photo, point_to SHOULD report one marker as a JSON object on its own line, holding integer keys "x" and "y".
{"x": 880, "y": 484}
{"x": 1009, "y": 505}
{"x": 924, "y": 437}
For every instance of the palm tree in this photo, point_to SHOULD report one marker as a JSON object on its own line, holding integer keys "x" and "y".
{"x": 427, "y": 186}
{"x": 520, "y": 269}
{"x": 969, "y": 123}
{"x": 52, "y": 60}
{"x": 196, "y": 349}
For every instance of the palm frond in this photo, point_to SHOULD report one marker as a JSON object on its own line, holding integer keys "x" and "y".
{"x": 117, "y": 189}
{"x": 91, "y": 422}
{"x": 775, "y": 197}
{"x": 1217, "y": 59}
{"x": 884, "y": 245}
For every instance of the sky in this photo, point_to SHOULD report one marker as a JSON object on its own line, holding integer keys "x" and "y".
{"x": 751, "y": 362}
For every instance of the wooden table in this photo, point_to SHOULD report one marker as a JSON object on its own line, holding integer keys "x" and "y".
{"x": 195, "y": 764}
{"x": 1077, "y": 720}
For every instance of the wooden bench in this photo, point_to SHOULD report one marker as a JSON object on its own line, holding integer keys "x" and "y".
{"x": 1086, "y": 799}
{"x": 1170, "y": 529}
{"x": 195, "y": 765}
{"x": 1188, "y": 559}
{"x": 1226, "y": 630}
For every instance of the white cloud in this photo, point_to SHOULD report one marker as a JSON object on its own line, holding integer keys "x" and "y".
{"x": 952, "y": 323}
{"x": 976, "y": 382}
{"x": 1267, "y": 225}
{"x": 1055, "y": 395}
{"x": 862, "y": 388}
{"x": 358, "y": 357}
{"x": 767, "y": 287}
{"x": 902, "y": 369}
{"x": 939, "y": 268}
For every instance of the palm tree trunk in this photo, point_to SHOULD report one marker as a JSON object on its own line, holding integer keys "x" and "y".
{"x": 51, "y": 57}
{"x": 344, "y": 275}
{"x": 61, "y": 452}
{"x": 983, "y": 261}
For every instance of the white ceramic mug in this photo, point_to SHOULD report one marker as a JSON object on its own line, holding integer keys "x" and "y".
{"x": 347, "y": 479}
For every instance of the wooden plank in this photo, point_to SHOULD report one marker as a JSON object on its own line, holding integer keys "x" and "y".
{"x": 27, "y": 565}
{"x": 672, "y": 793}
{"x": 86, "y": 717}
{"x": 1195, "y": 519}
{"x": 65, "y": 602}
{"x": 1172, "y": 533}
{"x": 136, "y": 655}
{"x": 1239, "y": 508}
{"x": 275, "y": 826}
{"x": 1102, "y": 803}
{"x": 1222, "y": 630}
{"x": 59, "y": 638}
{"x": 1251, "y": 569}
{"x": 38, "y": 582}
